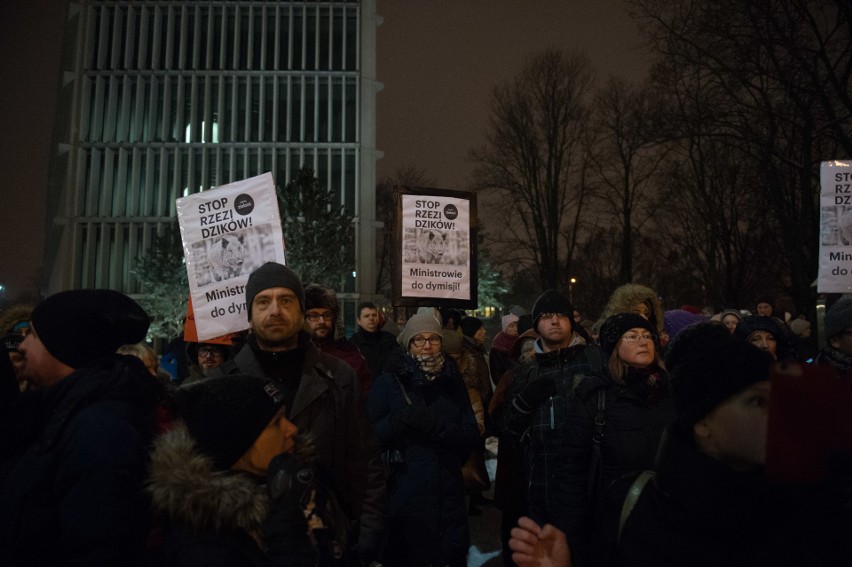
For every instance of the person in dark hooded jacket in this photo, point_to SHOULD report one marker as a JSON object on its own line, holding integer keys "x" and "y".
{"x": 73, "y": 453}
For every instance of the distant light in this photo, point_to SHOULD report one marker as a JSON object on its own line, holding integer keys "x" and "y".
{"x": 354, "y": 274}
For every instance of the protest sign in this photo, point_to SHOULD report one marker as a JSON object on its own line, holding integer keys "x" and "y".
{"x": 835, "y": 233}
{"x": 436, "y": 248}
{"x": 227, "y": 233}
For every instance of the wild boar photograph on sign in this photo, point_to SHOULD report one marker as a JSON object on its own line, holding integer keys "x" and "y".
{"x": 436, "y": 248}
{"x": 227, "y": 233}
{"x": 835, "y": 228}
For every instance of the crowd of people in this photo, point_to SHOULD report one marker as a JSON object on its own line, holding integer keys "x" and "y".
{"x": 639, "y": 439}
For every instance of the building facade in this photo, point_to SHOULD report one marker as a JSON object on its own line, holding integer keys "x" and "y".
{"x": 163, "y": 99}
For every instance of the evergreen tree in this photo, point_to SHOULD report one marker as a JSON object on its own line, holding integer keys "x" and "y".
{"x": 164, "y": 283}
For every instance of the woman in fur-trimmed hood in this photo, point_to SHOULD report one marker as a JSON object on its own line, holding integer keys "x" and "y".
{"x": 216, "y": 479}
{"x": 635, "y": 298}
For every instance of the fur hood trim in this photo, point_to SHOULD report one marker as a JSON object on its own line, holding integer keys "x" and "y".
{"x": 185, "y": 488}
{"x": 625, "y": 299}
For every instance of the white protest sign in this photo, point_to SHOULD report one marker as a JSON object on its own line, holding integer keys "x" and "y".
{"x": 835, "y": 228}
{"x": 227, "y": 233}
{"x": 436, "y": 252}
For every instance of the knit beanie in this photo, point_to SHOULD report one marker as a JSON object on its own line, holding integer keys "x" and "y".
{"x": 676, "y": 320}
{"x": 617, "y": 325}
{"x": 708, "y": 365}
{"x": 551, "y": 301}
{"x": 272, "y": 274}
{"x": 768, "y": 299}
{"x": 82, "y": 325}
{"x": 226, "y": 414}
{"x": 470, "y": 325}
{"x": 451, "y": 343}
{"x": 418, "y": 323}
{"x": 735, "y": 312}
{"x": 507, "y": 320}
{"x": 839, "y": 316}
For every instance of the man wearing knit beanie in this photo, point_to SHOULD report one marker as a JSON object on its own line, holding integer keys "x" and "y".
{"x": 77, "y": 446}
{"x": 320, "y": 391}
{"x": 838, "y": 331}
{"x": 536, "y": 414}
{"x": 322, "y": 320}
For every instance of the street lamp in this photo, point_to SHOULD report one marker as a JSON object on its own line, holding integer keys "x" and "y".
{"x": 571, "y": 283}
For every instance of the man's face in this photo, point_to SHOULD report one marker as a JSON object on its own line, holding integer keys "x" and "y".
{"x": 210, "y": 357}
{"x": 764, "y": 309}
{"x": 276, "y": 317}
{"x": 554, "y": 330}
{"x": 735, "y": 431}
{"x": 40, "y": 367}
{"x": 843, "y": 341}
{"x": 368, "y": 319}
{"x": 321, "y": 323}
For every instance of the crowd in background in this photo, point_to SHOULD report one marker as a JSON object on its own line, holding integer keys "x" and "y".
{"x": 640, "y": 438}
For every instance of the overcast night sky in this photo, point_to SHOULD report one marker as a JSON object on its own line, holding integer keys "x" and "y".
{"x": 438, "y": 61}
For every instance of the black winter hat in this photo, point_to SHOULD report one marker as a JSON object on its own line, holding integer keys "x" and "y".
{"x": 81, "y": 325}
{"x": 226, "y": 414}
{"x": 470, "y": 325}
{"x": 272, "y": 274}
{"x": 838, "y": 317}
{"x": 708, "y": 365}
{"x": 615, "y": 326}
{"x": 551, "y": 301}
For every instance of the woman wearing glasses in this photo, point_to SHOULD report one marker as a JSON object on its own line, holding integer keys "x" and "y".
{"x": 615, "y": 421}
{"x": 423, "y": 420}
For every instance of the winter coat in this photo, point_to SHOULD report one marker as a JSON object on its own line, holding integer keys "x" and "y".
{"x": 540, "y": 431}
{"x": 696, "y": 511}
{"x": 209, "y": 517}
{"x": 72, "y": 467}
{"x": 483, "y": 375}
{"x": 499, "y": 360}
{"x": 380, "y": 350}
{"x": 427, "y": 512}
{"x": 328, "y": 406}
{"x": 349, "y": 353}
{"x": 631, "y": 436}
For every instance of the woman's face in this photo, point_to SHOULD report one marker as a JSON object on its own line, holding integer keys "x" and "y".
{"x": 636, "y": 348}
{"x": 479, "y": 336}
{"x": 279, "y": 436}
{"x": 429, "y": 343}
{"x": 512, "y": 329}
{"x": 730, "y": 321}
{"x": 764, "y": 340}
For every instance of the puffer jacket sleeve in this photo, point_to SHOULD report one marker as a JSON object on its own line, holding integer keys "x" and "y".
{"x": 463, "y": 437}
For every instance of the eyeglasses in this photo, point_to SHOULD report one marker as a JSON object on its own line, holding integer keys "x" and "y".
{"x": 325, "y": 315}
{"x": 552, "y": 315}
{"x": 209, "y": 353}
{"x": 630, "y": 339}
{"x": 420, "y": 341}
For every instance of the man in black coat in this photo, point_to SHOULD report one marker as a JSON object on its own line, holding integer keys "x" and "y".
{"x": 74, "y": 452}
{"x": 378, "y": 347}
{"x": 321, "y": 393}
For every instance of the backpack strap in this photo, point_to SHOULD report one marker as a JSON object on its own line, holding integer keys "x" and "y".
{"x": 630, "y": 500}
{"x": 596, "y": 464}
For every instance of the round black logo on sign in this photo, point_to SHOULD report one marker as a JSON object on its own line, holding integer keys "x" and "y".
{"x": 243, "y": 204}
{"x": 451, "y": 212}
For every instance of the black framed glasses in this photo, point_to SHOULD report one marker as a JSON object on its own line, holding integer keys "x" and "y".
{"x": 434, "y": 340}
{"x": 325, "y": 315}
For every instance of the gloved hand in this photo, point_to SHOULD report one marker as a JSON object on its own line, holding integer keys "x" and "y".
{"x": 289, "y": 480}
{"x": 534, "y": 394}
{"x": 421, "y": 418}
